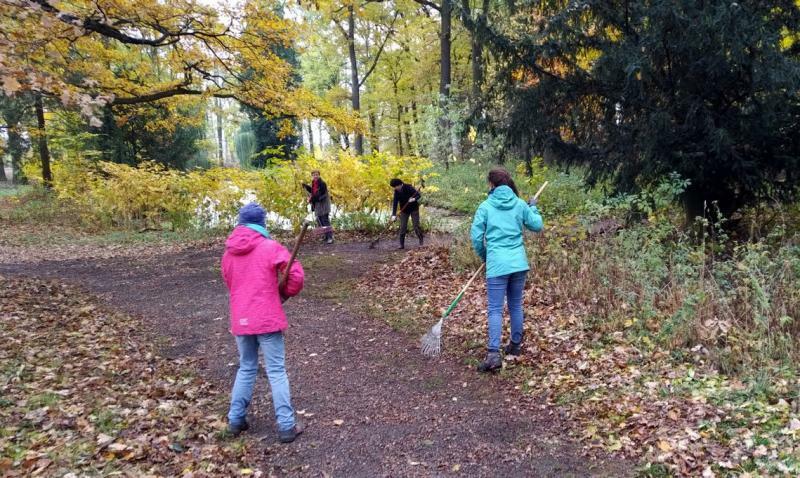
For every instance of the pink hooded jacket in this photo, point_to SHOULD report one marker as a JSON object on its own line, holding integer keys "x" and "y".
{"x": 250, "y": 266}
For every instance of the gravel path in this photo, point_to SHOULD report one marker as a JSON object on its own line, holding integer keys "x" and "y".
{"x": 373, "y": 405}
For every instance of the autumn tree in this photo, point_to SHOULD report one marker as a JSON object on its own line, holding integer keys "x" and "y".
{"x": 91, "y": 55}
{"x": 274, "y": 136}
{"x": 365, "y": 28}
{"x": 635, "y": 91}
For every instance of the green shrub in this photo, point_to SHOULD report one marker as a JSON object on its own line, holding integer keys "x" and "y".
{"x": 37, "y": 205}
{"x": 676, "y": 286}
{"x": 463, "y": 187}
{"x": 117, "y": 195}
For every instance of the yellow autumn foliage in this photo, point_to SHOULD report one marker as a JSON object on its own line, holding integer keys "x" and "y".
{"x": 111, "y": 194}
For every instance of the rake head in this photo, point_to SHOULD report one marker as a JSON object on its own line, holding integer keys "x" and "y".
{"x": 432, "y": 341}
{"x": 322, "y": 230}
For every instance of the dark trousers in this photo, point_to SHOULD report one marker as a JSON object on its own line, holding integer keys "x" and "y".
{"x": 404, "y": 226}
{"x": 325, "y": 221}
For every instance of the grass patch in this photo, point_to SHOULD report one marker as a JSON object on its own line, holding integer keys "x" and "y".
{"x": 46, "y": 399}
{"x": 106, "y": 421}
{"x": 325, "y": 261}
{"x": 460, "y": 188}
{"x": 463, "y": 187}
{"x": 14, "y": 191}
{"x": 35, "y": 205}
{"x": 433, "y": 383}
{"x": 34, "y": 217}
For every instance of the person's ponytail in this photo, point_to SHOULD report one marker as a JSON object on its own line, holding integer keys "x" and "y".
{"x": 499, "y": 176}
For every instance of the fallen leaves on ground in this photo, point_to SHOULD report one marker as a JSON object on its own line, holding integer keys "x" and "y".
{"x": 22, "y": 243}
{"x": 624, "y": 393}
{"x": 82, "y": 391}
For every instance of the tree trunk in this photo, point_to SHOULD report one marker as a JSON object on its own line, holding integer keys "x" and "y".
{"x": 476, "y": 49}
{"x": 444, "y": 82}
{"x": 44, "y": 152}
{"x": 373, "y": 133}
{"x": 444, "y": 44}
{"x": 354, "y": 82}
{"x": 220, "y": 152}
{"x": 16, "y": 146}
{"x": 3, "y": 167}
{"x": 13, "y": 115}
{"x": 415, "y": 122}
{"x": 311, "y": 136}
{"x": 407, "y": 127}
{"x": 476, "y": 58}
{"x": 400, "y": 150}
{"x": 399, "y": 119}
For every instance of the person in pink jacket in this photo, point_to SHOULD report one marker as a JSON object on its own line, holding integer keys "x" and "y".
{"x": 251, "y": 267}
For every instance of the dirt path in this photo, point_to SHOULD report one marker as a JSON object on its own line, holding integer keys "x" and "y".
{"x": 403, "y": 415}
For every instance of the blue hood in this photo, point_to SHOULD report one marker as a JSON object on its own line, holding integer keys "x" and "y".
{"x": 503, "y": 198}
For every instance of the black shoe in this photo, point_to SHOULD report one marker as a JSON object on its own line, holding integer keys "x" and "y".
{"x": 420, "y": 241}
{"x": 491, "y": 363}
{"x": 513, "y": 348}
{"x": 238, "y": 428}
{"x": 288, "y": 436}
{"x": 401, "y": 247}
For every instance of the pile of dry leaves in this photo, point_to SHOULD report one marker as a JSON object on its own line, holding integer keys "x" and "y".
{"x": 83, "y": 392}
{"x": 625, "y": 393}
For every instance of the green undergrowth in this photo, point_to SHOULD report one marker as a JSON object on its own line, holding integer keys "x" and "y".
{"x": 462, "y": 187}
{"x": 34, "y": 216}
{"x": 677, "y": 344}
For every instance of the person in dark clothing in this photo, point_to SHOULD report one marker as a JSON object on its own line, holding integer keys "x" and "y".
{"x": 320, "y": 203}
{"x": 407, "y": 198}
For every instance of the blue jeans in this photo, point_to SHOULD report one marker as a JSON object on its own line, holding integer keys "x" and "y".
{"x": 274, "y": 357}
{"x": 498, "y": 288}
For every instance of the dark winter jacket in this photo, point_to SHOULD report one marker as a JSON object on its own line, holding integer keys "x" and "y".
{"x": 320, "y": 201}
{"x": 401, "y": 198}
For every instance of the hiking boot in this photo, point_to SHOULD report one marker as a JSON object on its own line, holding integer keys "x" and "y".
{"x": 401, "y": 247}
{"x": 236, "y": 429}
{"x": 329, "y": 240}
{"x": 420, "y": 241}
{"x": 288, "y": 436}
{"x": 491, "y": 363}
{"x": 513, "y": 348}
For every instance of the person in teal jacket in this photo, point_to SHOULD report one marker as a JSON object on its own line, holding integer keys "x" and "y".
{"x": 497, "y": 238}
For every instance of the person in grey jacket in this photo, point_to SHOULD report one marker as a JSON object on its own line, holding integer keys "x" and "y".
{"x": 320, "y": 203}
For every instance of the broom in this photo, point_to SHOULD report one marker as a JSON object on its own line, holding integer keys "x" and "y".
{"x": 432, "y": 341}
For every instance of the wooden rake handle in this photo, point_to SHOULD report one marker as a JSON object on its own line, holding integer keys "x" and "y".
{"x": 536, "y": 196}
{"x": 403, "y": 209}
{"x": 285, "y": 273}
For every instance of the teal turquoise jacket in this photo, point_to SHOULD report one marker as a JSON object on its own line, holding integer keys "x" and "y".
{"x": 499, "y": 220}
